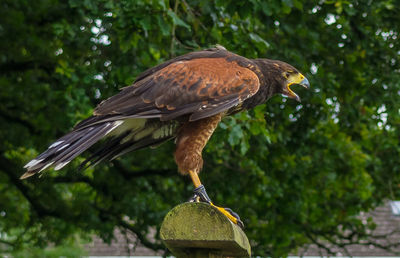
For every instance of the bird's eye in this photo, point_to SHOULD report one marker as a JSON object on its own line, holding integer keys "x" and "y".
{"x": 287, "y": 74}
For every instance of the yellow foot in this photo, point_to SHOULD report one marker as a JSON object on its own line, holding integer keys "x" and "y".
{"x": 200, "y": 195}
{"x": 232, "y": 216}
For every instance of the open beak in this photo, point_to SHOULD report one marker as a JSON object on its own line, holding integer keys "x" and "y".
{"x": 301, "y": 80}
{"x": 305, "y": 83}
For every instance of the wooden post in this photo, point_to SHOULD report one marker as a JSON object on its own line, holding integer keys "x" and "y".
{"x": 198, "y": 230}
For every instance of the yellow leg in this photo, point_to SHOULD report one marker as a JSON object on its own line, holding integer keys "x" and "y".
{"x": 196, "y": 181}
{"x": 195, "y": 178}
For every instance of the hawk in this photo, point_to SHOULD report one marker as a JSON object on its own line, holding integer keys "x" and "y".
{"x": 183, "y": 99}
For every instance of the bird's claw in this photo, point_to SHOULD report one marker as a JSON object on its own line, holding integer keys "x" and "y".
{"x": 236, "y": 216}
{"x": 200, "y": 195}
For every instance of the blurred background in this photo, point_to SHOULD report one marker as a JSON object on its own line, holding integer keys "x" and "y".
{"x": 297, "y": 173}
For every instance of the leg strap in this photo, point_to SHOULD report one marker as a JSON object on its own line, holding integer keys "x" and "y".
{"x": 202, "y": 194}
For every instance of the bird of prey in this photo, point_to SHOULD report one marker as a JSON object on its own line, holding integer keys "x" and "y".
{"x": 183, "y": 99}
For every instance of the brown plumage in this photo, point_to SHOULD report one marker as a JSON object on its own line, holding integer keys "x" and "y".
{"x": 183, "y": 98}
{"x": 192, "y": 138}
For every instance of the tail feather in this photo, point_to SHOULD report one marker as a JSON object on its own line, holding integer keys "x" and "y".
{"x": 125, "y": 143}
{"x": 68, "y": 147}
{"x": 101, "y": 154}
{"x": 124, "y": 136}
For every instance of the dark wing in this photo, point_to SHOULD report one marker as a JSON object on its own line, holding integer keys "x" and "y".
{"x": 199, "y": 87}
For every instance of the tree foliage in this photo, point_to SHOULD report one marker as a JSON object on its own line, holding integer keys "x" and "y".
{"x": 296, "y": 173}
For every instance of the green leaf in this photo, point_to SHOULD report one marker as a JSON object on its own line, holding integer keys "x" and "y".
{"x": 176, "y": 20}
{"x": 260, "y": 41}
{"x": 164, "y": 27}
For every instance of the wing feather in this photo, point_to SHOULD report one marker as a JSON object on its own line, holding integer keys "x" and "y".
{"x": 198, "y": 88}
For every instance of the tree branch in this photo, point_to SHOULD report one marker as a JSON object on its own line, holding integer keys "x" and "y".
{"x": 173, "y": 38}
{"x": 27, "y": 65}
{"x": 128, "y": 174}
{"x": 72, "y": 179}
{"x": 140, "y": 236}
{"x": 20, "y": 121}
{"x": 40, "y": 210}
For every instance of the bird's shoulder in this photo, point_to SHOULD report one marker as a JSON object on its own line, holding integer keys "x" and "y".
{"x": 219, "y": 55}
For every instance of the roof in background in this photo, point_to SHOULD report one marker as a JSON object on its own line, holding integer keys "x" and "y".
{"x": 387, "y": 222}
{"x": 122, "y": 246}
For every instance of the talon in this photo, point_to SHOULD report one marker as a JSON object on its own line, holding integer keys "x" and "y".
{"x": 194, "y": 198}
{"x": 234, "y": 214}
{"x": 238, "y": 221}
{"x": 231, "y": 215}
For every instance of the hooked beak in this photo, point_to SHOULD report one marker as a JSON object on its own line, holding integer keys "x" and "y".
{"x": 305, "y": 83}
{"x": 301, "y": 80}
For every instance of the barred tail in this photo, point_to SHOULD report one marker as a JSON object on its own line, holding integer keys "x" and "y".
{"x": 65, "y": 149}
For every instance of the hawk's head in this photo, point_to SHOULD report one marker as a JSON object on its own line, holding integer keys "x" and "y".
{"x": 282, "y": 76}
